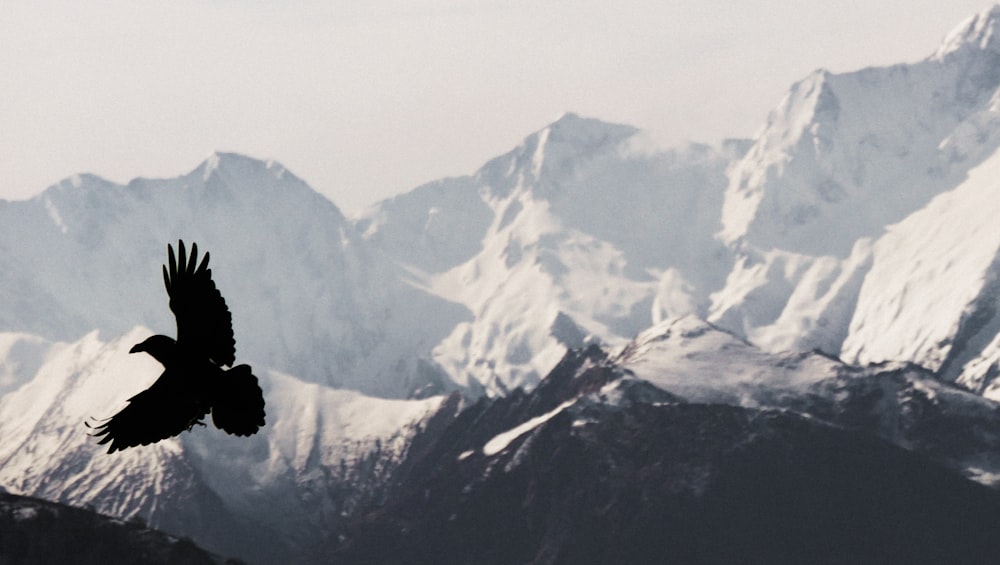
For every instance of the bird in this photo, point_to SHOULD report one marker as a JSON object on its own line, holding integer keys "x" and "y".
{"x": 198, "y": 377}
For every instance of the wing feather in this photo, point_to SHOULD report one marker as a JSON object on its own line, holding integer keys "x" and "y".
{"x": 163, "y": 410}
{"x": 204, "y": 323}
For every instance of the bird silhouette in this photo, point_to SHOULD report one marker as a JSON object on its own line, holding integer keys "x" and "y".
{"x": 195, "y": 380}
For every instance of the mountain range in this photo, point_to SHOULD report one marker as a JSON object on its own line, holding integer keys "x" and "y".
{"x": 833, "y": 280}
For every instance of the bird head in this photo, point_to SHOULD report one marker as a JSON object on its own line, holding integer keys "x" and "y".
{"x": 160, "y": 347}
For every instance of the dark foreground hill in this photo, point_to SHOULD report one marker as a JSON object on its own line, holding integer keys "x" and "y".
{"x": 34, "y": 531}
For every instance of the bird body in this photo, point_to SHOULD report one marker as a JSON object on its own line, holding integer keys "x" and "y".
{"x": 195, "y": 379}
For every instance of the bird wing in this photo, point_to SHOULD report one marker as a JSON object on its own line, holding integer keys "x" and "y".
{"x": 163, "y": 410}
{"x": 204, "y": 323}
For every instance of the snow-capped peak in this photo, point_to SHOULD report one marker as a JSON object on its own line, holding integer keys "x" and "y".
{"x": 577, "y": 130}
{"x": 241, "y": 168}
{"x": 553, "y": 154}
{"x": 978, "y": 32}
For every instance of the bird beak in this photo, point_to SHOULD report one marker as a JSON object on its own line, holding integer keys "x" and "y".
{"x": 136, "y": 348}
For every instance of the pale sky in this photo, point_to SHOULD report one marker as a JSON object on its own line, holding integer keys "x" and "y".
{"x": 367, "y": 99}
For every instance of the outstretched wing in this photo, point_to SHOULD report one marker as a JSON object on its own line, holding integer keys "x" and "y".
{"x": 157, "y": 413}
{"x": 204, "y": 324}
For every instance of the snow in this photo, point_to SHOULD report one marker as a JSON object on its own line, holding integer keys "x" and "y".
{"x": 309, "y": 296}
{"x": 25, "y": 513}
{"x": 693, "y": 359}
{"x": 48, "y": 452}
{"x": 783, "y": 301}
{"x": 54, "y": 212}
{"x": 861, "y": 221}
{"x": 927, "y": 273}
{"x": 584, "y": 232}
{"x": 503, "y": 439}
{"x": 860, "y": 217}
{"x": 845, "y": 155}
{"x": 563, "y": 243}
{"x": 976, "y": 32}
{"x": 984, "y": 477}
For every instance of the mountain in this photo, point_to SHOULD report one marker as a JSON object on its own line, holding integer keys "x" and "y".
{"x": 314, "y": 307}
{"x": 855, "y": 208}
{"x": 684, "y": 484}
{"x": 37, "y": 531}
{"x": 901, "y": 403}
{"x": 954, "y": 298}
{"x": 845, "y": 155}
{"x": 585, "y": 323}
{"x": 322, "y": 452}
{"x": 308, "y": 296}
{"x": 583, "y": 232}
{"x": 861, "y": 218}
{"x": 597, "y": 465}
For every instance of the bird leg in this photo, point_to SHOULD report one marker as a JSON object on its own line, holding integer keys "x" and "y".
{"x": 195, "y": 422}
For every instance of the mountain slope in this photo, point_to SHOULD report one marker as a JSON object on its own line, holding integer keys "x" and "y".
{"x": 36, "y": 531}
{"x": 322, "y": 452}
{"x": 845, "y": 155}
{"x": 899, "y": 402}
{"x": 597, "y": 466}
{"x": 861, "y": 222}
{"x": 915, "y": 308}
{"x": 756, "y": 486}
{"x": 308, "y": 295}
{"x": 583, "y": 229}
{"x": 831, "y": 231}
{"x": 861, "y": 217}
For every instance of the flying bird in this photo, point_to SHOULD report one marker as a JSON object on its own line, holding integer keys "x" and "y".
{"x": 195, "y": 378}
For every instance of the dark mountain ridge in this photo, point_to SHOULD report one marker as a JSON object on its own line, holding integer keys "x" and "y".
{"x": 35, "y": 531}
{"x": 620, "y": 471}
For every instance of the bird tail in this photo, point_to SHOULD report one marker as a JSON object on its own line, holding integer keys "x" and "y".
{"x": 239, "y": 407}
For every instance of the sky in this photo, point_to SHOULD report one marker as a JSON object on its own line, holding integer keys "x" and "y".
{"x": 365, "y": 100}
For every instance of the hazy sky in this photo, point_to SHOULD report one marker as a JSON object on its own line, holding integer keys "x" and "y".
{"x": 366, "y": 99}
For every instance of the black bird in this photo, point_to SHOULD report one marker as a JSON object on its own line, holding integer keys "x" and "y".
{"x": 195, "y": 380}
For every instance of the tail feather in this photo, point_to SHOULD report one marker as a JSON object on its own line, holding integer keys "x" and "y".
{"x": 239, "y": 407}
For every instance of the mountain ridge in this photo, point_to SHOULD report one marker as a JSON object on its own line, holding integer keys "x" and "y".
{"x": 582, "y": 290}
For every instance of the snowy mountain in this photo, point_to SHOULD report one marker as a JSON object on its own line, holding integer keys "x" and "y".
{"x": 322, "y": 451}
{"x": 902, "y": 403}
{"x": 857, "y": 222}
{"x": 583, "y": 232}
{"x": 308, "y": 296}
{"x": 313, "y": 305}
{"x": 832, "y": 282}
{"x": 862, "y": 217}
{"x": 598, "y": 465}
{"x": 845, "y": 155}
